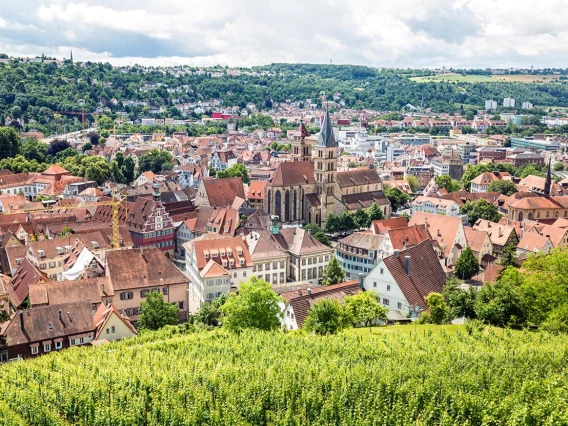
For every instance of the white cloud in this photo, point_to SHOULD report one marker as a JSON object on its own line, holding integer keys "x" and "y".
{"x": 474, "y": 33}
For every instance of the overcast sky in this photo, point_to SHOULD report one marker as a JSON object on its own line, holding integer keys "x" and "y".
{"x": 380, "y": 33}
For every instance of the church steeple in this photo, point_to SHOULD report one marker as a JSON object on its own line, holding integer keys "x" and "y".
{"x": 548, "y": 182}
{"x": 326, "y": 137}
{"x": 71, "y": 55}
{"x": 300, "y": 150}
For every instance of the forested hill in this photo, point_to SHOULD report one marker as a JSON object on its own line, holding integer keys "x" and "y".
{"x": 35, "y": 91}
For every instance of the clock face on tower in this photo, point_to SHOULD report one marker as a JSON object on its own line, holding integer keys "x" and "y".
{"x": 158, "y": 226}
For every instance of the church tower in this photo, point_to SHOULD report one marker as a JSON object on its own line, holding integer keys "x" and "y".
{"x": 325, "y": 169}
{"x": 300, "y": 150}
{"x": 548, "y": 182}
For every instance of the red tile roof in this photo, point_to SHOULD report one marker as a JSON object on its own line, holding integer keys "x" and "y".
{"x": 426, "y": 273}
{"x": 222, "y": 192}
{"x": 293, "y": 173}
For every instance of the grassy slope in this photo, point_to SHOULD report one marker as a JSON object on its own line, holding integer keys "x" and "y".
{"x": 442, "y": 376}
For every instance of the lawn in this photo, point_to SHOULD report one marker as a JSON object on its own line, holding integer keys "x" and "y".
{"x": 410, "y": 329}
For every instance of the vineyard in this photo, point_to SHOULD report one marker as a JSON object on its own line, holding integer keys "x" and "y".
{"x": 488, "y": 377}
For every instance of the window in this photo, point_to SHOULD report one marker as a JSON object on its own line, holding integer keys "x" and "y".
{"x": 35, "y": 350}
{"x": 81, "y": 340}
{"x": 144, "y": 293}
{"x": 386, "y": 302}
{"x": 180, "y": 305}
{"x": 165, "y": 291}
{"x": 52, "y": 264}
{"x": 47, "y": 347}
{"x": 58, "y": 345}
{"x": 4, "y": 356}
{"x": 74, "y": 342}
{"x": 244, "y": 274}
{"x": 374, "y": 284}
{"x": 108, "y": 331}
{"x": 42, "y": 266}
{"x": 113, "y": 329}
{"x": 234, "y": 275}
{"x": 399, "y": 305}
{"x": 388, "y": 288}
{"x": 381, "y": 271}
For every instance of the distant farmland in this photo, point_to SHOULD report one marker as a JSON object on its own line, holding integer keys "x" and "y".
{"x": 524, "y": 78}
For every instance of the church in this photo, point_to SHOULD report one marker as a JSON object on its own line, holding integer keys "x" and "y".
{"x": 307, "y": 190}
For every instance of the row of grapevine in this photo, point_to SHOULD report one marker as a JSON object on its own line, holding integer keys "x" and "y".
{"x": 218, "y": 378}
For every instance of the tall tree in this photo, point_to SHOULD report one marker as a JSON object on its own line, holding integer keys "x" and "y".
{"x": 505, "y": 187}
{"x": 333, "y": 272}
{"x": 361, "y": 219}
{"x": 235, "y": 171}
{"x": 128, "y": 169}
{"x": 325, "y": 317}
{"x": 156, "y": 161}
{"x": 57, "y": 146}
{"x": 254, "y": 306}
{"x": 500, "y": 304}
{"x": 364, "y": 309}
{"x": 396, "y": 197}
{"x": 467, "y": 265}
{"x": 509, "y": 257}
{"x": 10, "y": 143}
{"x": 461, "y": 302}
{"x": 375, "y": 212}
{"x": 413, "y": 182}
{"x": 156, "y": 313}
{"x": 446, "y": 182}
{"x": 480, "y": 209}
{"x": 437, "y": 308}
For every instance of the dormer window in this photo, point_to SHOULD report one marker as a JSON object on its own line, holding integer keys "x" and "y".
{"x": 41, "y": 253}
{"x": 59, "y": 250}
{"x": 95, "y": 244}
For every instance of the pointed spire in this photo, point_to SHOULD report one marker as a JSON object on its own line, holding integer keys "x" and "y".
{"x": 71, "y": 55}
{"x": 302, "y": 130}
{"x": 326, "y": 137}
{"x": 156, "y": 193}
{"x": 548, "y": 182}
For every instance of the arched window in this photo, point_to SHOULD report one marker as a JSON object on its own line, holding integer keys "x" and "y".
{"x": 278, "y": 204}
{"x": 520, "y": 216}
{"x": 295, "y": 205}
{"x": 287, "y": 206}
{"x": 538, "y": 215}
{"x": 530, "y": 216}
{"x": 555, "y": 213}
{"x": 269, "y": 201}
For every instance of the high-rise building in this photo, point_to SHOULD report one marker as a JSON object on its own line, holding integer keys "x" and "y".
{"x": 527, "y": 105}
{"x": 509, "y": 103}
{"x": 489, "y": 104}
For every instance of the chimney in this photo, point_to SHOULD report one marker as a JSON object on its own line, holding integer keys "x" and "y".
{"x": 396, "y": 253}
{"x": 60, "y": 316}
{"x": 407, "y": 265}
{"x": 21, "y": 320}
{"x": 309, "y": 291}
{"x": 426, "y": 223}
{"x": 500, "y": 232}
{"x": 361, "y": 282}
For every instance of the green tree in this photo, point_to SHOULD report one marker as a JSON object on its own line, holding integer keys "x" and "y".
{"x": 500, "y": 304}
{"x": 466, "y": 266}
{"x": 87, "y": 146}
{"x": 57, "y": 146}
{"x": 437, "y": 309}
{"x": 332, "y": 223}
{"x": 128, "y": 169}
{"x": 361, "y": 219}
{"x": 480, "y": 209}
{"x": 461, "y": 302}
{"x": 210, "y": 312}
{"x": 333, "y": 273}
{"x": 34, "y": 150}
{"x": 375, "y": 212}
{"x": 532, "y": 170}
{"x": 558, "y": 167}
{"x": 10, "y": 143}
{"x": 322, "y": 238}
{"x": 235, "y": 171}
{"x": 156, "y": 161}
{"x": 156, "y": 313}
{"x": 255, "y": 306}
{"x": 505, "y": 187}
{"x": 396, "y": 197}
{"x": 446, "y": 182}
{"x": 364, "y": 309}
{"x": 325, "y": 317}
{"x": 413, "y": 182}
{"x": 509, "y": 257}
{"x": 67, "y": 230}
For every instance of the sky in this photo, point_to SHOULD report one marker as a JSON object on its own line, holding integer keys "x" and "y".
{"x": 378, "y": 33}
